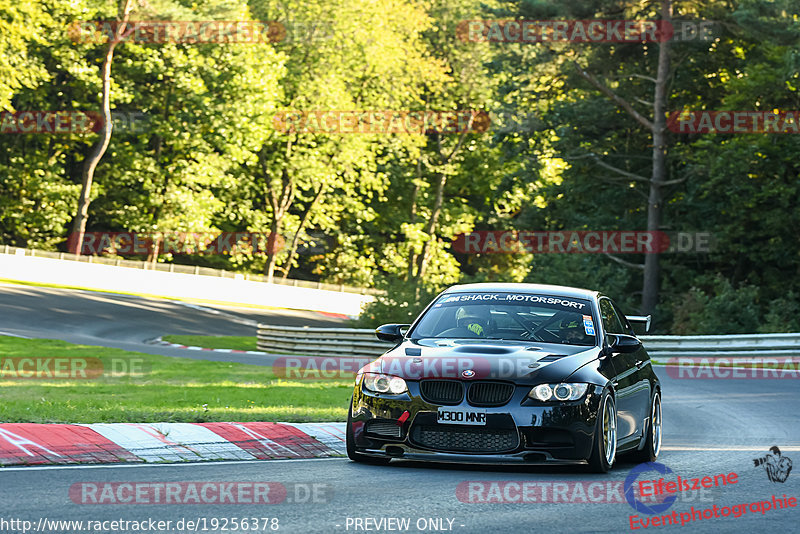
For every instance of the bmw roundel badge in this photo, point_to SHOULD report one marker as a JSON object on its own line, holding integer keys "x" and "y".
{"x": 467, "y": 373}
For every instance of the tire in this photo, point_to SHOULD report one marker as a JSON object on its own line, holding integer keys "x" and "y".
{"x": 652, "y": 446}
{"x": 604, "y": 445}
{"x": 351, "y": 444}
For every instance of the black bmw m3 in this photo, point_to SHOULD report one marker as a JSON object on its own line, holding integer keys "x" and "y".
{"x": 509, "y": 373}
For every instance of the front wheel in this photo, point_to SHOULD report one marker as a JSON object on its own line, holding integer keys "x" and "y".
{"x": 653, "y": 444}
{"x": 351, "y": 444}
{"x": 604, "y": 446}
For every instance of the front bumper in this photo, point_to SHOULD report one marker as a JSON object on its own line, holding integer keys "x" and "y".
{"x": 520, "y": 431}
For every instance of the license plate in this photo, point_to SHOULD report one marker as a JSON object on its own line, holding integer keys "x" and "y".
{"x": 459, "y": 416}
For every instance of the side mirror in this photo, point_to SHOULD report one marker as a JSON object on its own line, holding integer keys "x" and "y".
{"x": 642, "y": 321}
{"x": 391, "y": 332}
{"x": 623, "y": 343}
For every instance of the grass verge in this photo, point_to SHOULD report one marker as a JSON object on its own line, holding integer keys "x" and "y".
{"x": 166, "y": 389}
{"x": 215, "y": 342}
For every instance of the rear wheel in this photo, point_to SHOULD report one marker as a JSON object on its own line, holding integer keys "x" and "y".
{"x": 351, "y": 444}
{"x": 604, "y": 447}
{"x": 652, "y": 445}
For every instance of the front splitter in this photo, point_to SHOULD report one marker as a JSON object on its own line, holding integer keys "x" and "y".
{"x": 525, "y": 457}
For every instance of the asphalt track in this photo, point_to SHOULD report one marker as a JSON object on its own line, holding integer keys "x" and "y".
{"x": 130, "y": 322}
{"x": 710, "y": 427}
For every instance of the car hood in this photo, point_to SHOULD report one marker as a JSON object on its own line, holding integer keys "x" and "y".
{"x": 470, "y": 359}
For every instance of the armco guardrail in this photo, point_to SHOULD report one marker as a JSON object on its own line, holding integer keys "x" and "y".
{"x": 183, "y": 269}
{"x": 362, "y": 342}
{"x": 731, "y": 346}
{"x": 312, "y": 341}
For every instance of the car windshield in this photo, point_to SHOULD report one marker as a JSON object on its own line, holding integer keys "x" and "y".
{"x": 509, "y": 316}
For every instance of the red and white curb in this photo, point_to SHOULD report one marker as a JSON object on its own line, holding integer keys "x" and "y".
{"x": 161, "y": 342}
{"x": 34, "y": 444}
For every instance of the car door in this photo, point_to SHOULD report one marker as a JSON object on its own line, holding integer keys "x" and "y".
{"x": 641, "y": 360}
{"x": 633, "y": 388}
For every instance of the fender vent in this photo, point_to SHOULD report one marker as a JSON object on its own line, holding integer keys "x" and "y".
{"x": 552, "y": 358}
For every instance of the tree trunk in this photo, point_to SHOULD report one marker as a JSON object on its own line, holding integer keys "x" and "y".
{"x": 279, "y": 201}
{"x": 272, "y": 253}
{"x": 444, "y": 160}
{"x": 412, "y": 257}
{"x": 152, "y": 255}
{"x": 155, "y": 245}
{"x": 657, "y": 180}
{"x": 300, "y": 228}
{"x": 100, "y": 147}
{"x": 430, "y": 229}
{"x": 650, "y": 284}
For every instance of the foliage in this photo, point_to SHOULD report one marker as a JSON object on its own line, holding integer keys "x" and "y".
{"x": 210, "y": 157}
{"x": 401, "y": 303}
{"x": 722, "y": 309}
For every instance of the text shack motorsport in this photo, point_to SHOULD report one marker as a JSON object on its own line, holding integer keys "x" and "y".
{"x": 512, "y": 298}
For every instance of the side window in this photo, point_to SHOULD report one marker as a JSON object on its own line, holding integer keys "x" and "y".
{"x": 626, "y": 325}
{"x": 503, "y": 320}
{"x": 611, "y": 321}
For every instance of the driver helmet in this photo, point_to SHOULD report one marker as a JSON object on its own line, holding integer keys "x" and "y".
{"x": 572, "y": 330}
{"x": 473, "y": 318}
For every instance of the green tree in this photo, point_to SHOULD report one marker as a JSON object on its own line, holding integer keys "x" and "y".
{"x": 22, "y": 24}
{"x": 339, "y": 57}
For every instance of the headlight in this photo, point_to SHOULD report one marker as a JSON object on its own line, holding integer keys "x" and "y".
{"x": 561, "y": 392}
{"x": 541, "y": 392}
{"x": 380, "y": 383}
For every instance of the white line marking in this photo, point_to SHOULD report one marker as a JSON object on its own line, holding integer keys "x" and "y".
{"x": 9, "y": 334}
{"x": 264, "y": 440}
{"x": 18, "y": 441}
{"x": 762, "y": 448}
{"x": 182, "y": 464}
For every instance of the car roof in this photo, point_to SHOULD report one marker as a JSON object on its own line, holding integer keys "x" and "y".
{"x": 539, "y": 289}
